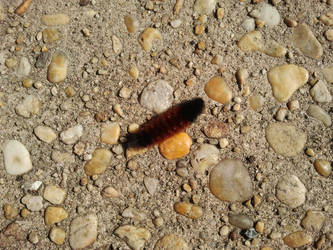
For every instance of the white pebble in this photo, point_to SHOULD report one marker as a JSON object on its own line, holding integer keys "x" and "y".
{"x": 72, "y": 135}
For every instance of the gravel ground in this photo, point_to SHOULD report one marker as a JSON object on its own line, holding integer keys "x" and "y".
{"x": 252, "y": 172}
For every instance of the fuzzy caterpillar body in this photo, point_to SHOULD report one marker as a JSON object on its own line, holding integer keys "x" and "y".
{"x": 166, "y": 124}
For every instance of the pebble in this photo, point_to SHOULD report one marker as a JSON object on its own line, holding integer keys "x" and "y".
{"x": 260, "y": 226}
{"x": 28, "y": 107}
{"x": 125, "y": 92}
{"x": 189, "y": 210}
{"x": 23, "y": 68}
{"x": 83, "y": 231}
{"x": 9, "y": 211}
{"x": 250, "y": 234}
{"x": 286, "y": 79}
{"x": 110, "y": 133}
{"x": 267, "y": 13}
{"x": 135, "y": 237}
{"x": 241, "y": 221}
{"x": 51, "y": 35}
{"x": 291, "y": 191}
{"x": 171, "y": 242}
{"x": 33, "y": 237}
{"x": 313, "y": 220}
{"x": 57, "y": 235}
{"x": 329, "y": 34}
{"x": 256, "y": 102}
{"x": 216, "y": 129}
{"x": 151, "y": 184}
{"x": 285, "y": 139}
{"x": 224, "y": 231}
{"x": 54, "y": 215}
{"x": 319, "y": 114}
{"x": 204, "y": 7}
{"x": 57, "y": 70}
{"x": 33, "y": 203}
{"x": 249, "y": 24}
{"x": 110, "y": 192}
{"x": 131, "y": 24}
{"x": 327, "y": 18}
{"x": 175, "y": 147}
{"x": 328, "y": 73}
{"x": 230, "y": 181}
{"x": 157, "y": 96}
{"x": 134, "y": 73}
{"x": 45, "y": 134}
{"x": 320, "y": 92}
{"x": 323, "y": 167}
{"x": 218, "y": 90}
{"x": 133, "y": 213}
{"x": 99, "y": 162}
{"x": 117, "y": 45}
{"x": 71, "y": 135}
{"x": 54, "y": 194}
{"x": 305, "y": 40}
{"x": 41, "y": 60}
{"x": 204, "y": 157}
{"x": 56, "y": 19}
{"x": 298, "y": 239}
{"x": 62, "y": 157}
{"x": 176, "y": 23}
{"x": 16, "y": 158}
{"x": 147, "y": 37}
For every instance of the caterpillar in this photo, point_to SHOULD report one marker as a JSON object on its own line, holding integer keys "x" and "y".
{"x": 166, "y": 124}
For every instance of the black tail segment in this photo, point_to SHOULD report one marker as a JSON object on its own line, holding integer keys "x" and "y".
{"x": 191, "y": 109}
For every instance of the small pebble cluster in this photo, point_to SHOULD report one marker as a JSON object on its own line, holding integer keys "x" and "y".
{"x": 253, "y": 172}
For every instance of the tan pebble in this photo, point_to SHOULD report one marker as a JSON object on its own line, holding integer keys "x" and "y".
{"x": 218, "y": 60}
{"x": 133, "y": 127}
{"x": 310, "y": 152}
{"x": 11, "y": 62}
{"x": 272, "y": 48}
{"x": 246, "y": 90}
{"x": 70, "y": 91}
{"x": 54, "y": 194}
{"x": 323, "y": 167}
{"x": 9, "y": 211}
{"x": 320, "y": 114}
{"x": 125, "y": 92}
{"x": 57, "y": 70}
{"x": 189, "y": 210}
{"x": 218, "y": 90}
{"x": 298, "y": 239}
{"x": 23, "y": 7}
{"x": 45, "y": 134}
{"x": 176, "y": 146}
{"x": 256, "y": 200}
{"x": 236, "y": 107}
{"x": 116, "y": 44}
{"x": 117, "y": 108}
{"x": 329, "y": 35}
{"x": 110, "y": 133}
{"x": 99, "y": 162}
{"x": 220, "y": 13}
{"x": 131, "y": 24}
{"x": 54, "y": 215}
{"x": 134, "y": 72}
{"x": 286, "y": 79}
{"x": 290, "y": 22}
{"x": 158, "y": 222}
{"x": 199, "y": 29}
{"x": 327, "y": 18}
{"x": 187, "y": 188}
{"x": 57, "y": 235}
{"x": 242, "y": 75}
{"x": 281, "y": 114}
{"x": 177, "y": 7}
{"x": 190, "y": 82}
{"x": 201, "y": 45}
{"x": 79, "y": 148}
{"x": 313, "y": 220}
{"x": 251, "y": 41}
{"x": 24, "y": 212}
{"x": 171, "y": 241}
{"x": 293, "y": 105}
{"x": 216, "y": 129}
{"x": 135, "y": 237}
{"x": 223, "y": 143}
{"x": 195, "y": 199}
{"x": 110, "y": 192}
{"x": 203, "y": 19}
{"x": 260, "y": 227}
{"x": 147, "y": 37}
{"x": 27, "y": 83}
{"x": 275, "y": 235}
{"x": 57, "y": 19}
{"x": 83, "y": 181}
{"x": 204, "y": 7}
{"x": 50, "y": 35}
{"x": 256, "y": 102}
{"x": 130, "y": 152}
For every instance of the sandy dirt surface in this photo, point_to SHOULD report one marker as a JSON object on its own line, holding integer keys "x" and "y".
{"x": 91, "y": 95}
